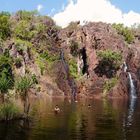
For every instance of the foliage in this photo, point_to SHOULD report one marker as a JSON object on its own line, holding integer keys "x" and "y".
{"x": 114, "y": 58}
{"x": 23, "y": 84}
{"x": 18, "y": 62}
{"x": 41, "y": 64}
{"x": 39, "y": 27}
{"x": 26, "y": 15}
{"x": 6, "y": 76}
{"x": 23, "y": 30}
{"x": 4, "y": 13}
{"x": 22, "y": 44}
{"x": 4, "y": 25}
{"x": 125, "y": 31}
{"x": 73, "y": 68}
{"x": 34, "y": 79}
{"x": 74, "y": 46}
{"x": 108, "y": 85}
{"x": 49, "y": 56}
{"x": 4, "y": 83}
{"x": 9, "y": 111}
{"x": 109, "y": 63}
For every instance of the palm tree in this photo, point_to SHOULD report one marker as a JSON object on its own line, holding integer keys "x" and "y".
{"x": 23, "y": 84}
{"x": 4, "y": 86}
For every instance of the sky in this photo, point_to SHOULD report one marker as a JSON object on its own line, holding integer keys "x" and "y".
{"x": 65, "y": 11}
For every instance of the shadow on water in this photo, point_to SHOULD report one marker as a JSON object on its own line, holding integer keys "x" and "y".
{"x": 103, "y": 120}
{"x": 14, "y": 130}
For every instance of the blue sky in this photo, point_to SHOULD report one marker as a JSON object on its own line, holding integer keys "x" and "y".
{"x": 127, "y": 5}
{"x": 48, "y": 5}
{"x": 65, "y": 11}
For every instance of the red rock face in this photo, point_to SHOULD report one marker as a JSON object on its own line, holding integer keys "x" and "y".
{"x": 94, "y": 37}
{"x": 133, "y": 62}
{"x": 91, "y": 38}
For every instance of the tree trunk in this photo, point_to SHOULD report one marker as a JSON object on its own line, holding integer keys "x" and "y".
{"x": 26, "y": 104}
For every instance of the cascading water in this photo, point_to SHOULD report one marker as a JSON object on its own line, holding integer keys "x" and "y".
{"x": 71, "y": 81}
{"x": 132, "y": 87}
{"x": 125, "y": 67}
{"x": 133, "y": 97}
{"x": 131, "y": 82}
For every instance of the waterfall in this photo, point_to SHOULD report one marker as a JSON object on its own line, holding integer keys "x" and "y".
{"x": 131, "y": 82}
{"x": 71, "y": 81}
{"x": 125, "y": 67}
{"x": 133, "y": 96}
{"x": 132, "y": 87}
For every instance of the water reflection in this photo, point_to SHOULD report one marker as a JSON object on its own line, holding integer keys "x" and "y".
{"x": 131, "y": 109}
{"x": 104, "y": 120}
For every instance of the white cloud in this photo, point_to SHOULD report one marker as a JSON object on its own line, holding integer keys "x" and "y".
{"x": 39, "y": 7}
{"x": 94, "y": 10}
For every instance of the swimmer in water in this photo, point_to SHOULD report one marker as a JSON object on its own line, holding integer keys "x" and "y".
{"x": 56, "y": 109}
{"x": 89, "y": 106}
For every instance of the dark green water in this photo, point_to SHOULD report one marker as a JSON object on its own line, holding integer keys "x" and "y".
{"x": 105, "y": 120}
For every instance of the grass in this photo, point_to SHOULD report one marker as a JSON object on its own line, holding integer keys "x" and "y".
{"x": 9, "y": 111}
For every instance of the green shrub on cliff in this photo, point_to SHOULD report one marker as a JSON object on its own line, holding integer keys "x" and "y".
{"x": 23, "y": 30}
{"x": 22, "y": 45}
{"x": 26, "y": 15}
{"x": 73, "y": 68}
{"x": 109, "y": 63}
{"x": 49, "y": 57}
{"x": 5, "y": 30}
{"x": 6, "y": 76}
{"x": 109, "y": 84}
{"x": 125, "y": 31}
{"x": 110, "y": 57}
{"x": 41, "y": 64}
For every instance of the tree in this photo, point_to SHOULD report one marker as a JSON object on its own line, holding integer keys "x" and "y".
{"x": 23, "y": 84}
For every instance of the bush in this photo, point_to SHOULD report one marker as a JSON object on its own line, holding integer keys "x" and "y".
{"x": 111, "y": 56}
{"x": 9, "y": 111}
{"x": 22, "y": 45}
{"x": 6, "y": 76}
{"x": 5, "y": 30}
{"x": 109, "y": 63}
{"x": 26, "y": 15}
{"x": 125, "y": 31}
{"x": 73, "y": 68}
{"x": 23, "y": 30}
{"x": 41, "y": 64}
{"x": 34, "y": 79}
{"x": 23, "y": 84}
{"x": 49, "y": 57}
{"x": 108, "y": 85}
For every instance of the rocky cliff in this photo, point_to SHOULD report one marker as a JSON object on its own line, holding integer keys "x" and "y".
{"x": 78, "y": 60}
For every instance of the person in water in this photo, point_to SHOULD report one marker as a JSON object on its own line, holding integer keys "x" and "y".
{"x": 56, "y": 109}
{"x": 89, "y": 106}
